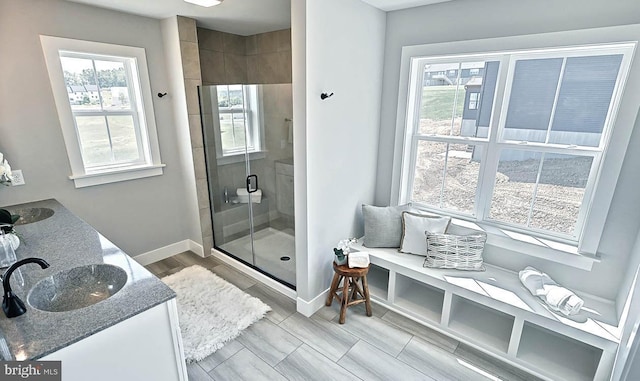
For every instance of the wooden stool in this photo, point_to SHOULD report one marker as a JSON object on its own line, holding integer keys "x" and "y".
{"x": 350, "y": 288}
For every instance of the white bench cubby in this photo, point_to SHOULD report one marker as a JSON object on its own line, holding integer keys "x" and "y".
{"x": 494, "y": 313}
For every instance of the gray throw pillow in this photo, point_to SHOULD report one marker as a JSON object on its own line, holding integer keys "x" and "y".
{"x": 382, "y": 225}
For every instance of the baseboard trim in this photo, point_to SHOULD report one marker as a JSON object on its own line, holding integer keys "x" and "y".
{"x": 310, "y": 308}
{"x": 257, "y": 275}
{"x": 196, "y": 248}
{"x": 168, "y": 251}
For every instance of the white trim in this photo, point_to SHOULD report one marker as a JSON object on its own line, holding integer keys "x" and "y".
{"x": 275, "y": 285}
{"x": 178, "y": 347}
{"x": 196, "y": 248}
{"x": 148, "y": 136}
{"x": 123, "y": 174}
{"x": 527, "y": 244}
{"x": 240, "y": 157}
{"x": 254, "y": 124}
{"x": 611, "y": 165}
{"x": 309, "y": 308}
{"x": 163, "y": 252}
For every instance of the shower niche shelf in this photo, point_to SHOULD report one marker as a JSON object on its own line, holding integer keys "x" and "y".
{"x": 492, "y": 312}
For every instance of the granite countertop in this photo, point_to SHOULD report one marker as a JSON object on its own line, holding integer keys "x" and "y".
{"x": 65, "y": 241}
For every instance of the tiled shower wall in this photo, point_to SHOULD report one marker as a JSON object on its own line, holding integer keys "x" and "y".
{"x": 227, "y": 58}
{"x": 192, "y": 79}
{"x": 211, "y": 58}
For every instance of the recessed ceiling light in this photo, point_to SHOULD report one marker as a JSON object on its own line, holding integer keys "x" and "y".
{"x": 204, "y": 3}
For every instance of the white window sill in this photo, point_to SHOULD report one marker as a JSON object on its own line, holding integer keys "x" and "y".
{"x": 240, "y": 157}
{"x": 116, "y": 175}
{"x": 546, "y": 249}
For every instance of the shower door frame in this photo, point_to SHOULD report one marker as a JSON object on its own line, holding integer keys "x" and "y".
{"x": 247, "y": 161}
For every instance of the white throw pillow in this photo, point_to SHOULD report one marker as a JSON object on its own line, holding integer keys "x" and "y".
{"x": 414, "y": 229}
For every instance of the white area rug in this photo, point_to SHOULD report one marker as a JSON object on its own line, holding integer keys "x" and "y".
{"x": 211, "y": 310}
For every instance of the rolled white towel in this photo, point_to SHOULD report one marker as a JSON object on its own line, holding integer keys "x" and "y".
{"x": 555, "y": 296}
{"x": 359, "y": 259}
{"x": 572, "y": 305}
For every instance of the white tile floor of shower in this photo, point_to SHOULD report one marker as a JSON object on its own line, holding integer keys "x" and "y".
{"x": 269, "y": 245}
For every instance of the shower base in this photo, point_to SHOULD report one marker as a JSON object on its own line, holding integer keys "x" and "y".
{"x": 270, "y": 246}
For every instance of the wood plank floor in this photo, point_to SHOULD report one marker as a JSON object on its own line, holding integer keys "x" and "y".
{"x": 289, "y": 346}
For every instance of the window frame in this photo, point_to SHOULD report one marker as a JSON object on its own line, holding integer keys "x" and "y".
{"x": 587, "y": 244}
{"x": 255, "y": 121}
{"x": 83, "y": 176}
{"x": 252, "y": 110}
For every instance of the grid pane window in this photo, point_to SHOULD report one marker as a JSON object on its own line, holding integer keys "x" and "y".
{"x": 514, "y": 139}
{"x": 446, "y": 175}
{"x": 444, "y": 103}
{"x": 583, "y": 100}
{"x": 101, "y": 94}
{"x": 237, "y": 111}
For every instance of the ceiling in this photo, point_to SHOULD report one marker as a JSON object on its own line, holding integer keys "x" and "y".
{"x": 393, "y": 5}
{"x": 243, "y": 17}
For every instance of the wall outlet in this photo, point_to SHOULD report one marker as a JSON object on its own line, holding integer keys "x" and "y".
{"x": 17, "y": 178}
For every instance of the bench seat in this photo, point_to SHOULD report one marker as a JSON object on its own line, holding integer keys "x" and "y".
{"x": 492, "y": 311}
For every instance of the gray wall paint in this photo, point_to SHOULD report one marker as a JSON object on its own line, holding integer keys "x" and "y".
{"x": 344, "y": 46}
{"x": 500, "y": 18}
{"x": 138, "y": 215}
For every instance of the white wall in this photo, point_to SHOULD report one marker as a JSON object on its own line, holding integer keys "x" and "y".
{"x": 299, "y": 100}
{"x": 467, "y": 20}
{"x": 344, "y": 47}
{"x": 138, "y": 215}
{"x": 190, "y": 215}
{"x": 627, "y": 363}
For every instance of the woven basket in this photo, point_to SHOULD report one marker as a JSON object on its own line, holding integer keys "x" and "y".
{"x": 461, "y": 252}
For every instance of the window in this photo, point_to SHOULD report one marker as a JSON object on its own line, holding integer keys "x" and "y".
{"x": 238, "y": 111}
{"x": 473, "y": 101}
{"x": 517, "y": 143}
{"x": 103, "y": 97}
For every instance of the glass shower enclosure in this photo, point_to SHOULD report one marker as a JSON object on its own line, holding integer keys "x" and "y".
{"x": 248, "y": 146}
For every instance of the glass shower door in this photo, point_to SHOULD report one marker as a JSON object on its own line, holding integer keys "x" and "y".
{"x": 241, "y": 170}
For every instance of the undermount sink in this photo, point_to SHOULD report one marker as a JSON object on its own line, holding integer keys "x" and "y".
{"x": 31, "y": 215}
{"x": 77, "y": 288}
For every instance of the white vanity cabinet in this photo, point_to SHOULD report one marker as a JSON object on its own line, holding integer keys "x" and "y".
{"x": 147, "y": 346}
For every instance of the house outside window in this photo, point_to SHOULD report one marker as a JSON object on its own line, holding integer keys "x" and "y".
{"x": 104, "y": 102}
{"x": 528, "y": 157}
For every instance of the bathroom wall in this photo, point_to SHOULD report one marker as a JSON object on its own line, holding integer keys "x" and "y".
{"x": 137, "y": 215}
{"x": 501, "y": 18}
{"x": 338, "y": 47}
{"x": 227, "y": 58}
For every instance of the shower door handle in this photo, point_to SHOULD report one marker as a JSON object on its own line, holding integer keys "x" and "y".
{"x": 252, "y": 183}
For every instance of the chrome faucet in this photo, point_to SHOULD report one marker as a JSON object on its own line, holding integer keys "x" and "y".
{"x": 12, "y": 306}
